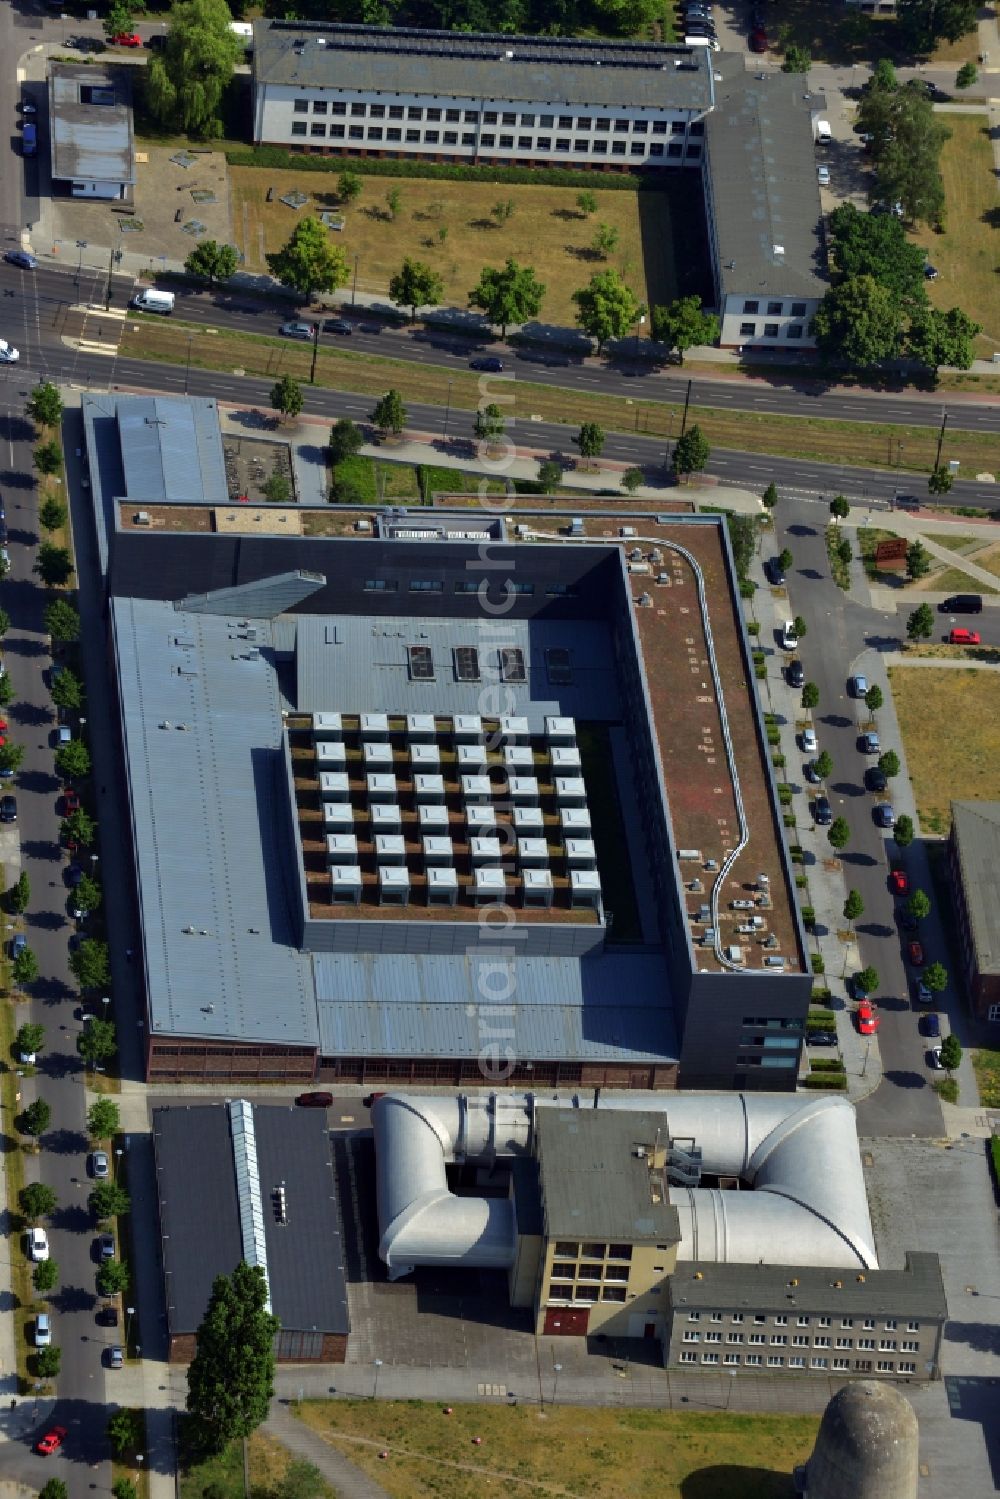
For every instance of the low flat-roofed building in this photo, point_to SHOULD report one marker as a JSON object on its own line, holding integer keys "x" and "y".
{"x": 91, "y": 148}
{"x": 974, "y": 863}
{"x": 254, "y": 1183}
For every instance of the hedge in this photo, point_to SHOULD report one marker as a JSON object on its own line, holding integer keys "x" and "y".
{"x": 821, "y": 1020}
{"x": 826, "y": 1064}
{"x": 995, "y": 1153}
{"x": 826, "y": 1080}
{"x": 380, "y": 166}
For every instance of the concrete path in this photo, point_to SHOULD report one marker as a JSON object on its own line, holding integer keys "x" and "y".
{"x": 347, "y": 1481}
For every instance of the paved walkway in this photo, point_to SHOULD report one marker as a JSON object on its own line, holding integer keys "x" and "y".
{"x": 347, "y": 1481}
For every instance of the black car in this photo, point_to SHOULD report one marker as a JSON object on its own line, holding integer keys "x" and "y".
{"x": 107, "y": 1316}
{"x": 775, "y": 572}
{"x": 821, "y": 1038}
{"x": 490, "y": 365}
{"x": 338, "y": 325}
{"x": 3, "y": 531}
{"x": 962, "y": 603}
{"x": 8, "y": 808}
{"x": 929, "y": 1025}
{"x": 811, "y": 774}
{"x": 822, "y": 812}
{"x": 875, "y": 779}
{"x": 796, "y": 674}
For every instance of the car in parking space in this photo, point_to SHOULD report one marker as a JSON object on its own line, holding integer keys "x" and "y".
{"x": 127, "y": 39}
{"x": 38, "y": 1245}
{"x": 857, "y": 686}
{"x": 338, "y": 325}
{"x": 796, "y": 673}
{"x": 822, "y": 812}
{"x": 866, "y": 1019}
{"x": 8, "y": 354}
{"x": 934, "y": 1061}
{"x": 929, "y": 1025}
{"x": 855, "y": 989}
{"x": 488, "y": 364}
{"x": 74, "y": 874}
{"x": 964, "y": 637}
{"x": 789, "y": 635}
{"x": 821, "y": 1038}
{"x": 100, "y": 1168}
{"x": 305, "y": 331}
{"x": 105, "y": 1247}
{"x": 22, "y": 258}
{"x": 28, "y": 107}
{"x": 921, "y": 993}
{"x": 876, "y": 779}
{"x": 899, "y": 881}
{"x": 962, "y": 603}
{"x": 774, "y": 572}
{"x": 116, "y": 1356}
{"x": 17, "y": 944}
{"x": 51, "y": 1441}
{"x": 758, "y": 40}
{"x": 42, "y": 1337}
{"x": 884, "y": 815}
{"x": 810, "y": 744}
{"x": 314, "y": 1100}
{"x": 869, "y": 743}
{"x": 915, "y": 953}
{"x": 107, "y": 1316}
{"x": 811, "y": 774}
{"x": 70, "y": 801}
{"x": 8, "y": 808}
{"x": 823, "y": 176}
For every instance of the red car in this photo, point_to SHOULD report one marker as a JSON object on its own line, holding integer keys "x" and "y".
{"x": 127, "y": 39}
{"x": 915, "y": 953}
{"x": 964, "y": 637}
{"x": 51, "y": 1441}
{"x": 758, "y": 40}
{"x": 314, "y": 1100}
{"x": 899, "y": 881}
{"x": 868, "y": 1021}
{"x": 71, "y": 801}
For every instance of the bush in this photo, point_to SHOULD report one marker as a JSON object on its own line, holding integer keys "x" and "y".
{"x": 778, "y": 761}
{"x": 826, "y": 1080}
{"x": 826, "y": 1064}
{"x": 773, "y": 735}
{"x": 784, "y": 794}
{"x": 275, "y": 159}
{"x": 808, "y": 916}
{"x": 821, "y": 1020}
{"x": 818, "y": 965}
{"x": 995, "y": 1157}
{"x": 947, "y": 1089}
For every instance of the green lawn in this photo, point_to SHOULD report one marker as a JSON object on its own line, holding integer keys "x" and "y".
{"x": 274, "y": 1473}
{"x": 986, "y": 1064}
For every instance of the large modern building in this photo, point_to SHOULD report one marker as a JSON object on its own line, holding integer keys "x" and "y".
{"x": 464, "y": 796}
{"x": 974, "y": 865}
{"x": 500, "y": 100}
{"x": 91, "y": 147}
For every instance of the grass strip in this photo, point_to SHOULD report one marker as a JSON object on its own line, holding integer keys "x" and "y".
{"x": 22, "y": 1291}
{"x": 868, "y": 444}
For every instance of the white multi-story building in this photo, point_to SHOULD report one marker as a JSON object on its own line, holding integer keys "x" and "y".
{"x": 478, "y": 98}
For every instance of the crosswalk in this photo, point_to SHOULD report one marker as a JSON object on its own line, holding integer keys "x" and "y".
{"x": 91, "y": 329}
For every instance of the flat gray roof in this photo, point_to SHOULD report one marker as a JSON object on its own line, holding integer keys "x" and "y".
{"x": 594, "y": 1185}
{"x": 915, "y": 1291}
{"x": 977, "y": 839}
{"x": 90, "y": 124}
{"x": 765, "y": 193}
{"x": 481, "y": 65}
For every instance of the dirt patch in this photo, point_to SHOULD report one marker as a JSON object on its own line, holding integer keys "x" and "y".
{"x": 950, "y": 722}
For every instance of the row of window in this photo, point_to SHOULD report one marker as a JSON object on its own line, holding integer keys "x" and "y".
{"x": 488, "y": 142}
{"x": 780, "y": 1319}
{"x": 567, "y": 1250}
{"x": 774, "y": 309}
{"x": 771, "y": 330}
{"x": 563, "y": 1271}
{"x": 472, "y": 586}
{"x": 558, "y": 1293}
{"x": 602, "y": 123}
{"x": 799, "y": 1340}
{"x": 796, "y": 1361}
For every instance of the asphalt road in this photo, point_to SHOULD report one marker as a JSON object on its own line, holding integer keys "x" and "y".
{"x": 839, "y": 631}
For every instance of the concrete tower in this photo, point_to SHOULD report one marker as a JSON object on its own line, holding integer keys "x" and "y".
{"x": 866, "y": 1447}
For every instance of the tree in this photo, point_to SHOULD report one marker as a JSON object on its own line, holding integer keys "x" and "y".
{"x": 20, "y": 894}
{"x": 824, "y": 764}
{"x": 54, "y": 1489}
{"x": 489, "y": 423}
{"x": 605, "y": 241}
{"x": 231, "y": 1377}
{"x": 839, "y": 833}
{"x": 309, "y": 262}
{"x": 52, "y": 513}
{"x": 920, "y": 624}
{"x": 124, "y": 1428}
{"x": 925, "y": 22}
{"x": 684, "y": 325}
{"x": 37, "y": 1201}
{"x": 919, "y": 905}
{"x": 937, "y": 338}
{"x": 632, "y": 479}
{"x": 277, "y": 488}
{"x": 550, "y": 474}
{"x": 951, "y": 1052}
{"x": 785, "y": 559}
{"x": 393, "y": 202}
{"x": 810, "y": 695}
{"x": 103, "y": 1119}
{"x": 503, "y": 210}
{"x": 11, "y": 757}
{"x": 888, "y": 764}
{"x": 80, "y": 828}
{"x": 62, "y": 620}
{"x": 6, "y": 690}
{"x": 346, "y": 439}
{"x": 509, "y": 294}
{"x": 936, "y": 977}
{"x": 30, "y": 1038}
{"x": 36, "y": 1118}
{"x": 918, "y": 562}
{"x": 967, "y": 75}
{"x": 903, "y": 831}
{"x": 109, "y": 1200}
{"x": 96, "y": 1042}
{"x": 770, "y": 496}
{"x": 839, "y": 508}
{"x": 873, "y": 698}
{"x": 45, "y": 1276}
{"x": 590, "y": 440}
{"x": 867, "y": 980}
{"x": 844, "y": 552}
{"x": 940, "y": 480}
{"x": 286, "y": 396}
{"x": 25, "y": 968}
{"x": 349, "y": 185}
{"x": 883, "y": 77}
{"x": 4, "y": 622}
{"x": 389, "y": 414}
{"x": 73, "y": 760}
{"x": 119, "y": 18}
{"x": 859, "y": 322}
{"x": 907, "y": 160}
{"x": 873, "y": 244}
{"x": 796, "y": 60}
{"x": 800, "y": 627}
{"x": 89, "y": 961}
{"x": 586, "y": 202}
{"x": 416, "y": 285}
{"x": 67, "y": 689}
{"x": 54, "y": 565}
{"x": 45, "y": 404}
{"x": 48, "y": 1361}
{"x": 691, "y": 451}
{"x": 606, "y": 307}
{"x": 212, "y": 261}
{"x": 48, "y": 457}
{"x": 124, "y": 1488}
{"x": 112, "y": 1277}
{"x": 187, "y": 81}
{"x": 854, "y": 906}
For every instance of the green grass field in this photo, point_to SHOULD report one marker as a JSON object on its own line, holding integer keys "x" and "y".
{"x": 950, "y": 722}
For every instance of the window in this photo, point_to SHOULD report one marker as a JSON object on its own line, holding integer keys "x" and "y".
{"x": 796, "y": 1361}
{"x": 586, "y": 1293}
{"x": 562, "y": 1247}
{"x": 734, "y": 1337}
{"x": 775, "y": 1361}
{"x": 866, "y": 1342}
{"x": 562, "y": 143}
{"x": 468, "y": 138}
{"x": 301, "y": 106}
{"x": 913, "y": 1326}
{"x": 659, "y": 127}
{"x": 374, "y": 132}
{"x": 615, "y": 1251}
{"x": 800, "y": 1340}
{"x": 491, "y": 117}
{"x": 640, "y": 127}
{"x": 717, "y": 1317}
{"x": 357, "y": 109}
{"x": 691, "y": 1337}
{"x": 433, "y": 114}
{"x": 377, "y": 112}
{"x": 869, "y": 1324}
{"x": 677, "y": 127}
{"x": 693, "y": 152}
{"x": 906, "y": 1368}
{"x": 993, "y": 1013}
{"x": 560, "y": 1268}
{"x": 822, "y": 1342}
{"x": 694, "y": 1316}
{"x": 618, "y": 148}
{"x": 298, "y": 127}
{"x": 818, "y": 1363}
{"x": 713, "y": 1337}
{"x": 453, "y": 114}
{"x": 412, "y": 135}
{"x": 451, "y": 137}
{"x": 426, "y": 585}
{"x": 431, "y": 137}
{"x": 471, "y": 117}
{"x": 486, "y": 139}
{"x": 710, "y": 1358}
{"x": 393, "y": 133}
{"x": 414, "y": 112}
{"x": 380, "y": 585}
{"x": 756, "y": 1337}
{"x": 798, "y": 309}
{"x": 890, "y": 1324}
{"x": 754, "y": 1359}
{"x": 844, "y": 1343}
{"x": 638, "y": 148}
{"x": 603, "y": 123}
{"x": 593, "y": 1251}
{"x": 581, "y": 145}
{"x": 544, "y": 143}
{"x": 697, "y": 127}
{"x": 508, "y": 118}
{"x": 689, "y": 1358}
{"x": 675, "y": 150}
{"x": 546, "y": 121}
{"x": 751, "y": 306}
{"x": 887, "y": 1345}
{"x": 730, "y": 1358}
{"x": 621, "y": 127}
{"x": 527, "y": 120}
{"x": 506, "y": 143}
{"x": 778, "y": 1340}
{"x": 395, "y": 111}
{"x": 356, "y": 132}
{"x": 600, "y": 148}
{"x": 747, "y": 330}
{"x": 841, "y": 1363}
{"x": 337, "y": 132}
{"x": 590, "y": 1272}
{"x": 885, "y": 1366}
{"x": 774, "y": 309}
{"x": 584, "y": 123}
{"x": 736, "y": 1318}
{"x": 802, "y": 1322}
{"x": 770, "y": 330}
{"x": 338, "y": 107}
{"x": 655, "y": 150}
{"x": 613, "y": 1293}
{"x": 794, "y": 330}
{"x": 847, "y": 1321}
{"x": 565, "y": 122}
{"x": 524, "y": 143}
{"x": 862, "y": 1366}
{"x": 315, "y": 129}
{"x": 824, "y": 1321}
{"x": 759, "y": 1319}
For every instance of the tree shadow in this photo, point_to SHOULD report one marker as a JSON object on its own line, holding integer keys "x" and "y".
{"x": 31, "y": 715}
{"x": 861, "y": 860}
{"x": 65, "y": 1141}
{"x": 46, "y": 921}
{"x": 875, "y": 929}
{"x": 902, "y": 1078}
{"x": 73, "y": 1220}
{"x": 74, "y": 1299}
{"x": 36, "y": 848}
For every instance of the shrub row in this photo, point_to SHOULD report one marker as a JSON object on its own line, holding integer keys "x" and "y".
{"x": 276, "y": 159}
{"x": 826, "y": 1080}
{"x": 821, "y": 1020}
{"x": 995, "y": 1154}
{"x": 826, "y": 1064}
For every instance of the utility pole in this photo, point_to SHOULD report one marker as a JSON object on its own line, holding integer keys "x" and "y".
{"x": 687, "y": 402}
{"x": 111, "y": 263}
{"x": 312, "y": 372}
{"x": 944, "y": 423}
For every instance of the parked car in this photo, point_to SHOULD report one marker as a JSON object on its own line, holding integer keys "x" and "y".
{"x": 775, "y": 572}
{"x": 915, "y": 953}
{"x": 21, "y": 257}
{"x": 962, "y": 603}
{"x": 116, "y": 1356}
{"x": 907, "y": 922}
{"x": 796, "y": 673}
{"x": 489, "y": 365}
{"x": 314, "y": 1100}
{"x": 921, "y": 993}
{"x": 758, "y": 40}
{"x": 8, "y": 354}
{"x": 8, "y": 808}
{"x": 107, "y": 1316}
{"x": 338, "y": 325}
{"x": 810, "y": 744}
{"x": 884, "y": 815}
{"x": 930, "y": 272}
{"x": 43, "y": 1331}
{"x": 822, "y": 812}
{"x": 934, "y": 1059}
{"x": 17, "y": 945}
{"x": 789, "y": 638}
{"x": 105, "y": 1247}
{"x": 38, "y": 1245}
{"x": 70, "y": 801}
{"x": 867, "y": 1021}
{"x": 964, "y": 637}
{"x": 857, "y": 686}
{"x": 51, "y": 1441}
{"x": 823, "y": 176}
{"x": 74, "y": 874}
{"x": 100, "y": 1168}
{"x": 854, "y": 988}
{"x": 305, "y": 331}
{"x": 929, "y": 1025}
{"x": 811, "y": 774}
{"x": 875, "y": 779}
{"x": 899, "y": 880}
{"x": 127, "y": 39}
{"x": 869, "y": 743}
{"x": 821, "y": 1038}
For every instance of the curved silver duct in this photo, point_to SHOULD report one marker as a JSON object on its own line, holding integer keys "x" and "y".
{"x": 799, "y": 1156}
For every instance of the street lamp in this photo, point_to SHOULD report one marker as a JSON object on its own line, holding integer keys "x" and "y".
{"x": 732, "y": 1386}
{"x": 129, "y": 1314}
{"x": 118, "y": 1167}
{"x": 556, "y": 1371}
{"x": 81, "y": 245}
{"x": 378, "y": 1365}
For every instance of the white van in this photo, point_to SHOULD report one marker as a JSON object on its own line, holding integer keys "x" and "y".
{"x": 702, "y": 41}
{"x": 151, "y": 300}
{"x": 824, "y": 135}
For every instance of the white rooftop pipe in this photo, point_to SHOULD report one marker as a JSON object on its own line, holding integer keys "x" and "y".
{"x": 799, "y": 1156}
